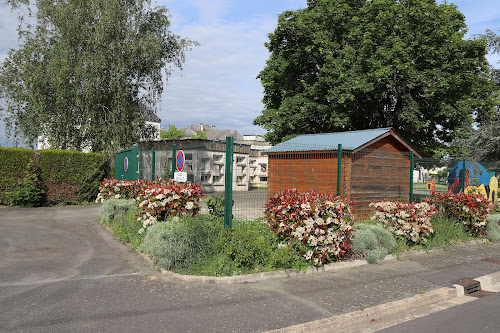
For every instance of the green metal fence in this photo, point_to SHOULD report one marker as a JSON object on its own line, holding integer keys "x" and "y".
{"x": 247, "y": 177}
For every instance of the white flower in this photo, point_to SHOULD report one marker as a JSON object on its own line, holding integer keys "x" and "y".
{"x": 190, "y": 205}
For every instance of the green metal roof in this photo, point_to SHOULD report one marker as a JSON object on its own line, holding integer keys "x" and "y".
{"x": 349, "y": 140}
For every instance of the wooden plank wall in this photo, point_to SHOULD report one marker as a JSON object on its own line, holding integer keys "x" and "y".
{"x": 379, "y": 172}
{"x": 304, "y": 171}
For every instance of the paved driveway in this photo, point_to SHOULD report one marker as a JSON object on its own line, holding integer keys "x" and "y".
{"x": 61, "y": 272}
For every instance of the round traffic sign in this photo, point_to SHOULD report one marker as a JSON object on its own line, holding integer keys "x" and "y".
{"x": 179, "y": 164}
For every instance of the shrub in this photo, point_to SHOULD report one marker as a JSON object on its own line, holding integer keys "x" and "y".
{"x": 179, "y": 244}
{"x": 13, "y": 162}
{"x": 164, "y": 199}
{"x": 119, "y": 189}
{"x": 373, "y": 240}
{"x": 320, "y": 222}
{"x": 30, "y": 191}
{"x": 158, "y": 200}
{"x": 493, "y": 228}
{"x": 215, "y": 205}
{"x": 113, "y": 207}
{"x": 469, "y": 209}
{"x": 126, "y": 228}
{"x": 409, "y": 222}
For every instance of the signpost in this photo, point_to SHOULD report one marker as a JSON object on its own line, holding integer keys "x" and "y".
{"x": 180, "y": 159}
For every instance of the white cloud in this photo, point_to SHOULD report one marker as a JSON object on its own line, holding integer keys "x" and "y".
{"x": 218, "y": 85}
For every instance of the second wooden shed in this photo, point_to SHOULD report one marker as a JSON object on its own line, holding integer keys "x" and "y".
{"x": 375, "y": 165}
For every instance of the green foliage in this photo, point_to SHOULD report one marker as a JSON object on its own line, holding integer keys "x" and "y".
{"x": 373, "y": 240}
{"x": 30, "y": 191}
{"x": 179, "y": 244}
{"x": 202, "y": 246}
{"x": 216, "y": 205}
{"x": 113, "y": 207}
{"x": 493, "y": 228}
{"x": 199, "y": 135}
{"x": 13, "y": 163}
{"x": 484, "y": 142}
{"x": 72, "y": 176}
{"x": 172, "y": 134}
{"x": 347, "y": 65}
{"x": 87, "y": 73}
{"x": 67, "y": 176}
{"x": 126, "y": 228}
{"x": 248, "y": 247}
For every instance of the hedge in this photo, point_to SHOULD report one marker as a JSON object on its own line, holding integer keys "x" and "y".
{"x": 69, "y": 176}
{"x": 13, "y": 162}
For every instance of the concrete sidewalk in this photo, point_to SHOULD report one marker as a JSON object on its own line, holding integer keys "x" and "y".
{"x": 60, "y": 272}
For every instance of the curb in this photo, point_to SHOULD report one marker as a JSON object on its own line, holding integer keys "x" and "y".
{"x": 377, "y": 317}
{"x": 390, "y": 314}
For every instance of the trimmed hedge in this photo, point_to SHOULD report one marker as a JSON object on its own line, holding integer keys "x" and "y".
{"x": 13, "y": 162}
{"x": 69, "y": 176}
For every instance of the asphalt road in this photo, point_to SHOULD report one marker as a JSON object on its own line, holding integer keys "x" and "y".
{"x": 60, "y": 271}
{"x": 481, "y": 315}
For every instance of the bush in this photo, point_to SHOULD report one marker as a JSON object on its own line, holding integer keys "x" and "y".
{"x": 409, "y": 222}
{"x": 373, "y": 240}
{"x": 216, "y": 205}
{"x": 66, "y": 176}
{"x": 493, "y": 228}
{"x": 13, "y": 162}
{"x": 126, "y": 228}
{"x": 113, "y": 207}
{"x": 158, "y": 200}
{"x": 320, "y": 222}
{"x": 201, "y": 245}
{"x": 470, "y": 209}
{"x": 30, "y": 191}
{"x": 179, "y": 244}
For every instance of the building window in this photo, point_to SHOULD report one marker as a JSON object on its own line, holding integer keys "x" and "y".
{"x": 189, "y": 157}
{"x": 205, "y": 178}
{"x": 205, "y": 163}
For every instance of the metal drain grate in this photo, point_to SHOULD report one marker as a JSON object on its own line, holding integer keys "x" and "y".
{"x": 472, "y": 288}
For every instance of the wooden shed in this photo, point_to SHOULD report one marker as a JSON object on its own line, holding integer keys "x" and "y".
{"x": 374, "y": 165}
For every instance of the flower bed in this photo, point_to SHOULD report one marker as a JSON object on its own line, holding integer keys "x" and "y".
{"x": 321, "y": 223}
{"x": 410, "y": 222}
{"x": 157, "y": 200}
{"x": 469, "y": 209}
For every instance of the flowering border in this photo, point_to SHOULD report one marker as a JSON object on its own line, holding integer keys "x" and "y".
{"x": 322, "y": 223}
{"x": 470, "y": 209}
{"x": 407, "y": 221}
{"x": 157, "y": 200}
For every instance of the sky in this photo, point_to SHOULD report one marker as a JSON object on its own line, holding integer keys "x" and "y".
{"x": 218, "y": 84}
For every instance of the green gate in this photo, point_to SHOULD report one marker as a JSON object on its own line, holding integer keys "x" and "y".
{"x": 127, "y": 164}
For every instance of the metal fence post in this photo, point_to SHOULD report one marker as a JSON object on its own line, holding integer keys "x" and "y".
{"x": 228, "y": 184}
{"x": 339, "y": 168}
{"x": 411, "y": 176}
{"x": 153, "y": 164}
{"x": 463, "y": 177}
{"x": 173, "y": 161}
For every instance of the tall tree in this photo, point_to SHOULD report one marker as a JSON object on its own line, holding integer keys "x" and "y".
{"x": 85, "y": 69}
{"x": 342, "y": 65}
{"x": 484, "y": 142}
{"x": 172, "y": 133}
